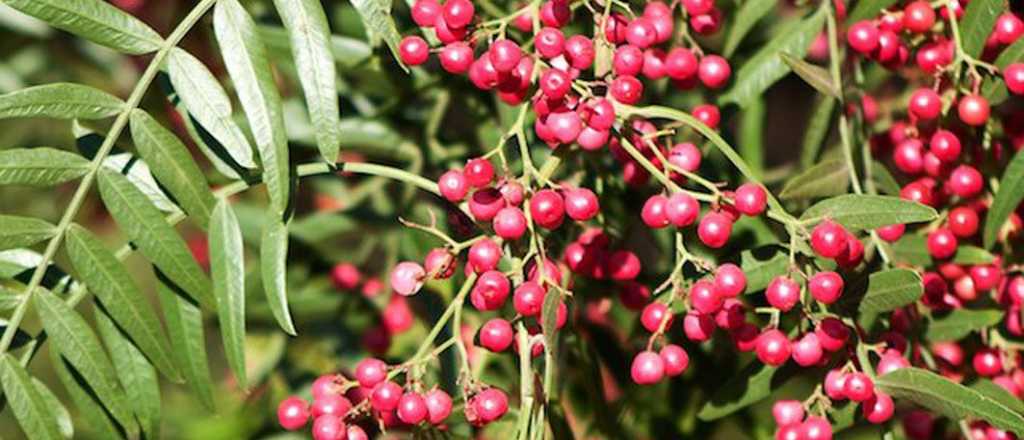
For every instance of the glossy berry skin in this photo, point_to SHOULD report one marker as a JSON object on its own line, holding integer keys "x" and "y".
{"x": 685, "y": 156}
{"x": 623, "y": 265}
{"x": 581, "y": 204}
{"x": 370, "y": 372}
{"x": 580, "y": 51}
{"x": 918, "y": 17}
{"x": 987, "y": 362}
{"x": 641, "y": 32}
{"x": 510, "y": 223}
{"x": 653, "y": 213}
{"x": 505, "y": 55}
{"x": 826, "y": 287}
{"x": 945, "y": 145}
{"x": 879, "y": 408}
{"x": 490, "y": 291}
{"x": 547, "y": 208}
{"x": 835, "y": 383}
{"x": 453, "y": 186}
{"x": 891, "y": 233}
{"x": 413, "y": 50}
{"x": 385, "y": 396}
{"x": 458, "y": 13}
{"x": 439, "y": 405}
{"x": 730, "y": 281}
{"x": 1013, "y": 76}
{"x": 816, "y": 428}
{"x": 653, "y": 315}
{"x": 681, "y": 209}
{"x": 675, "y": 358}
{"x": 965, "y": 181}
{"x": 925, "y": 104}
{"x": 407, "y": 278}
{"x": 439, "y": 263}
{"x": 862, "y": 37}
{"x": 293, "y": 413}
{"x": 698, "y": 327}
{"x": 807, "y": 350}
{"x": 412, "y": 408}
{"x": 858, "y": 387}
{"x": 783, "y": 293}
{"x": 773, "y": 348}
{"x": 788, "y": 412}
{"x": 490, "y": 404}
{"x": 751, "y": 199}
{"x": 479, "y": 172}
{"x": 973, "y": 110}
{"x": 628, "y": 60}
{"x": 681, "y": 64}
{"x": 828, "y": 239}
{"x": 496, "y": 335}
{"x": 332, "y": 404}
{"x": 425, "y": 12}
{"x": 832, "y": 334}
{"x": 1008, "y": 28}
{"x": 550, "y": 42}
{"x": 328, "y": 427}
{"x": 648, "y": 368}
{"x": 555, "y": 83}
{"x": 708, "y": 114}
{"x": 714, "y": 71}
{"x": 626, "y": 89}
{"x": 484, "y": 255}
{"x": 528, "y": 299}
{"x": 703, "y": 297}
{"x": 941, "y": 243}
{"x": 714, "y": 229}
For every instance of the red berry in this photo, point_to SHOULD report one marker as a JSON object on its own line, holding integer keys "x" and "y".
{"x": 714, "y": 71}
{"x": 453, "y": 186}
{"x": 648, "y": 368}
{"x": 328, "y": 427}
{"x": 412, "y": 408}
{"x": 555, "y": 83}
{"x": 385, "y": 396}
{"x": 908, "y": 156}
{"x": 458, "y": 13}
{"x": 490, "y": 404}
{"x": 835, "y": 384}
{"x": 654, "y": 212}
{"x": 750, "y": 199}
{"x": 675, "y": 359}
{"x": 925, "y": 104}
{"x": 479, "y": 172}
{"x": 681, "y": 209}
{"x": 413, "y": 50}
{"x": 485, "y": 203}
{"x": 580, "y": 51}
{"x": 484, "y": 255}
{"x": 987, "y": 362}
{"x": 1008, "y": 28}
{"x": 550, "y": 42}
{"x": 1013, "y": 76}
{"x": 918, "y": 16}
{"x": 773, "y": 348}
{"x": 425, "y": 12}
{"x": 945, "y": 145}
{"x": 626, "y": 89}
{"x": 439, "y": 263}
{"x": 832, "y": 334}
{"x": 965, "y": 181}
{"x": 708, "y": 114}
{"x": 623, "y": 265}
{"x": 496, "y": 335}
{"x": 581, "y": 204}
{"x": 891, "y": 233}
{"x": 628, "y": 60}
{"x": 714, "y": 229}
{"x": 698, "y": 327}
{"x": 826, "y": 287}
{"x": 345, "y": 276}
{"x": 973, "y": 110}
{"x": 490, "y": 291}
{"x": 439, "y": 406}
{"x": 942, "y": 243}
{"x": 505, "y": 55}
{"x": 703, "y": 297}
{"x": 547, "y": 208}
{"x": 828, "y": 239}
{"x": 815, "y": 428}
{"x": 858, "y": 387}
{"x": 698, "y": 7}
{"x": 686, "y": 156}
{"x": 788, "y": 412}
{"x": 446, "y": 33}
{"x": 641, "y": 32}
{"x": 680, "y": 63}
{"x": 783, "y": 293}
{"x": 653, "y": 315}
{"x": 407, "y": 278}
{"x": 862, "y": 36}
{"x": 730, "y": 281}
{"x": 807, "y": 351}
{"x": 528, "y": 299}
{"x": 510, "y": 223}
{"x": 891, "y": 361}
{"x": 293, "y": 413}
{"x": 370, "y": 372}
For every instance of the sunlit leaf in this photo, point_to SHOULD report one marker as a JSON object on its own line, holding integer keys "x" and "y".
{"x": 227, "y": 268}
{"x": 33, "y": 414}
{"x": 59, "y": 101}
{"x": 96, "y": 21}
{"x": 274, "y": 267}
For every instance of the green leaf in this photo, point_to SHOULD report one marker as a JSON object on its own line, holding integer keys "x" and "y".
{"x": 273, "y": 268}
{"x": 970, "y": 255}
{"x": 376, "y": 15}
{"x": 61, "y": 416}
{"x": 109, "y": 280}
{"x": 40, "y": 167}
{"x": 85, "y": 400}
{"x": 746, "y": 17}
{"x": 16, "y": 232}
{"x": 960, "y": 323}
{"x": 977, "y": 23}
{"x": 346, "y": 51}
{"x": 866, "y": 9}
{"x": 1010, "y": 194}
{"x": 912, "y": 249}
{"x": 814, "y": 76}
{"x": 817, "y": 130}
{"x": 156, "y": 239}
{"x": 761, "y": 265}
{"x": 209, "y": 104}
{"x": 227, "y": 267}
{"x": 858, "y": 212}
{"x": 749, "y": 386}
{"x": 307, "y": 25}
{"x": 995, "y": 392}
{"x": 59, "y": 101}
{"x": 751, "y": 135}
{"x": 33, "y": 414}
{"x": 135, "y": 373}
{"x": 883, "y": 179}
{"x": 185, "y": 327}
{"x": 995, "y": 88}
{"x": 950, "y": 399}
{"x": 177, "y": 171}
{"x": 765, "y": 67}
{"x": 247, "y": 63}
{"x": 825, "y": 179}
{"x": 891, "y": 289}
{"x": 78, "y": 344}
{"x": 95, "y": 20}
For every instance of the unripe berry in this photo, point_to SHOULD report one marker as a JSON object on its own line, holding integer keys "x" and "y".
{"x": 828, "y": 239}
{"x": 773, "y": 348}
{"x": 783, "y": 293}
{"x": 293, "y": 413}
{"x": 826, "y": 287}
{"x": 675, "y": 359}
{"x": 648, "y": 368}
{"x": 496, "y": 335}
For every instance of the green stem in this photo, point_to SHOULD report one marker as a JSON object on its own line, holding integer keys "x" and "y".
{"x": 86, "y": 184}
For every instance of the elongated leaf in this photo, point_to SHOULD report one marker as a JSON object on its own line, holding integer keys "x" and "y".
{"x": 866, "y": 9}
{"x": 96, "y": 21}
{"x": 136, "y": 374}
{"x": 346, "y": 51}
{"x": 825, "y": 179}
{"x": 209, "y": 104}
{"x": 108, "y": 279}
{"x": 891, "y": 289}
{"x": 883, "y": 179}
{"x": 273, "y": 267}
{"x": 307, "y": 26}
{"x": 913, "y": 249}
{"x": 751, "y": 145}
{"x": 977, "y": 23}
{"x": 950, "y": 399}
{"x": 765, "y": 67}
{"x": 28, "y": 406}
{"x": 41, "y": 167}
{"x": 761, "y": 265}
{"x": 971, "y": 255}
{"x": 995, "y": 88}
{"x": 178, "y": 172}
{"x": 85, "y": 399}
{"x": 1010, "y": 194}
{"x": 60, "y": 101}
{"x": 185, "y": 327}
{"x": 817, "y": 130}
{"x": 227, "y": 267}
{"x": 962, "y": 322}
{"x": 60, "y": 415}
{"x": 156, "y": 239}
{"x": 869, "y": 212}
{"x": 218, "y": 155}
{"x": 749, "y": 386}
{"x": 247, "y": 63}
{"x": 78, "y": 344}
{"x": 814, "y": 76}
{"x": 16, "y": 232}
{"x": 376, "y": 15}
{"x": 988, "y": 388}
{"x": 745, "y": 19}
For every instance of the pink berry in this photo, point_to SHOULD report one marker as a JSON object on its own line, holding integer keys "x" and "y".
{"x": 826, "y": 287}
{"x": 547, "y": 208}
{"x": 832, "y": 334}
{"x": 439, "y": 263}
{"x": 439, "y": 406}
{"x": 510, "y": 223}
{"x": 345, "y": 276}
{"x": 328, "y": 427}
{"x": 680, "y": 64}
{"x": 703, "y": 297}
{"x": 730, "y": 281}
{"x": 293, "y": 413}
{"x": 925, "y": 104}
{"x": 788, "y": 412}
{"x": 681, "y": 209}
{"x": 425, "y": 12}
{"x": 626, "y": 89}
{"x": 581, "y": 204}
{"x": 828, "y": 239}
{"x": 862, "y": 36}
{"x": 835, "y": 383}
{"x": 891, "y": 233}
{"x": 654, "y": 315}
{"x": 413, "y": 50}
{"x": 370, "y": 372}
{"x": 783, "y": 293}
{"x": 505, "y": 55}
{"x": 407, "y": 278}
{"x": 490, "y": 291}
{"x": 479, "y": 172}
{"x": 698, "y": 327}
{"x": 550, "y": 42}
{"x": 528, "y": 299}
{"x": 332, "y": 404}
{"x": 879, "y": 408}
{"x": 773, "y": 348}
{"x": 1013, "y": 76}
{"x": 714, "y": 71}
{"x": 942, "y": 243}
{"x": 648, "y": 368}
{"x": 653, "y": 212}
{"x": 484, "y": 255}
{"x": 751, "y": 199}
{"x": 987, "y": 362}
{"x": 858, "y": 387}
{"x": 807, "y": 350}
{"x": 453, "y": 186}
{"x": 458, "y": 13}
{"x": 496, "y": 335}
{"x": 385, "y": 396}
{"x": 412, "y": 408}
{"x": 714, "y": 229}
{"x": 945, "y": 145}
{"x": 490, "y": 404}
{"x": 816, "y": 428}
{"x": 708, "y": 114}
{"x": 675, "y": 359}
